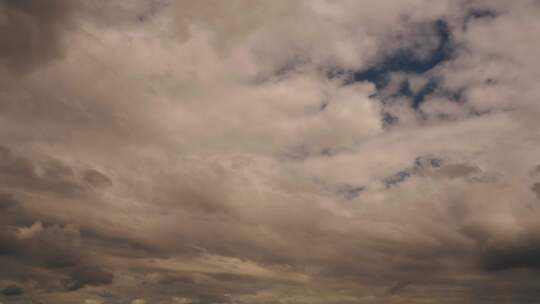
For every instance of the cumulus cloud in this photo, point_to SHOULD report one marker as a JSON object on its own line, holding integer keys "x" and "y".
{"x": 158, "y": 151}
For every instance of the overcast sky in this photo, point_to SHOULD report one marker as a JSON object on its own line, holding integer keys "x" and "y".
{"x": 269, "y": 152}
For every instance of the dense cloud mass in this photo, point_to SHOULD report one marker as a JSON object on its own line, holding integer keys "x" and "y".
{"x": 246, "y": 151}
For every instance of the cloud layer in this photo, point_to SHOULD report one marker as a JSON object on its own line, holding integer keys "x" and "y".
{"x": 157, "y": 151}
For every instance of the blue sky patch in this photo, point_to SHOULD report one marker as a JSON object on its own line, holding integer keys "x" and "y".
{"x": 406, "y": 60}
{"x": 420, "y": 163}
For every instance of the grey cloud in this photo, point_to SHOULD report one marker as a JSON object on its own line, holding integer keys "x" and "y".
{"x": 33, "y": 32}
{"x": 535, "y": 171}
{"x": 97, "y": 179}
{"x": 12, "y": 212}
{"x": 89, "y": 275}
{"x": 53, "y": 247}
{"x": 521, "y": 254}
{"x": 12, "y": 290}
{"x": 536, "y": 189}
{"x": 29, "y": 247}
{"x": 120, "y": 245}
{"x": 23, "y": 172}
{"x": 397, "y": 288}
{"x": 8, "y": 244}
{"x": 35, "y": 173}
{"x": 15, "y": 167}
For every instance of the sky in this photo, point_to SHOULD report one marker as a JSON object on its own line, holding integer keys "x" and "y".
{"x": 269, "y": 152}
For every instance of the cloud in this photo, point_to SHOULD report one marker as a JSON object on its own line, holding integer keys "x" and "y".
{"x": 519, "y": 253}
{"x": 29, "y": 26}
{"x": 49, "y": 175}
{"x": 12, "y": 290}
{"x": 179, "y": 300}
{"x": 536, "y": 189}
{"x": 96, "y": 178}
{"x": 89, "y": 275}
{"x": 269, "y": 152}
{"x": 29, "y": 232}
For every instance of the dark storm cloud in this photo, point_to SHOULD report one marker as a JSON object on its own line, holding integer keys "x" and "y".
{"x": 6, "y": 201}
{"x": 12, "y": 215}
{"x": 89, "y": 275}
{"x": 52, "y": 247}
{"x": 26, "y": 242}
{"x": 8, "y": 243}
{"x": 12, "y": 290}
{"x": 32, "y": 32}
{"x": 524, "y": 254}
